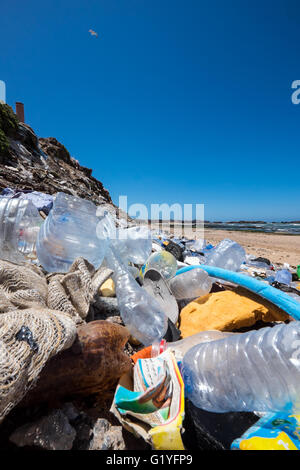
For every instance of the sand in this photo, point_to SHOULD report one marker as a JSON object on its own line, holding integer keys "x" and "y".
{"x": 277, "y": 248}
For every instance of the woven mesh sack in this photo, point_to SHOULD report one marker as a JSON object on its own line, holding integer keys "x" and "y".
{"x": 75, "y": 291}
{"x": 21, "y": 287}
{"x": 28, "y": 338}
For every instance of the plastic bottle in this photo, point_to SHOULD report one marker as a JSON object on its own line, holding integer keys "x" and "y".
{"x": 196, "y": 245}
{"x": 283, "y": 276}
{"x": 270, "y": 276}
{"x": 191, "y": 284}
{"x": 227, "y": 255}
{"x": 69, "y": 232}
{"x": 254, "y": 371}
{"x": 139, "y": 311}
{"x": 133, "y": 244}
{"x": 20, "y": 223}
{"x": 183, "y": 345}
{"x": 258, "y": 263}
{"x": 164, "y": 262}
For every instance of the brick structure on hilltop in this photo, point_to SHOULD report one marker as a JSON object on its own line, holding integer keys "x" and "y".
{"x": 20, "y": 111}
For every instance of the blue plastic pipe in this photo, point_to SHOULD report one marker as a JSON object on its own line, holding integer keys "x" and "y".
{"x": 276, "y": 296}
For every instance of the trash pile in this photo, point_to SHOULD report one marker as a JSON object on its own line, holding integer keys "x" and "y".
{"x": 196, "y": 346}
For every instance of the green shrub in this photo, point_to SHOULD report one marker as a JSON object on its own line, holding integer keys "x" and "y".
{"x": 8, "y": 128}
{"x": 8, "y": 120}
{"x": 4, "y": 144}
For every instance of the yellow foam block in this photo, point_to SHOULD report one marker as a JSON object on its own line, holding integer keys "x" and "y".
{"x": 227, "y": 311}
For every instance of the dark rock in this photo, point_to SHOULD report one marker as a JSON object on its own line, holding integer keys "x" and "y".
{"x": 205, "y": 430}
{"x": 52, "y": 432}
{"x": 70, "y": 411}
{"x": 262, "y": 260}
{"x": 55, "y": 150}
{"x": 84, "y": 431}
{"x": 107, "y": 437}
{"x": 105, "y": 307}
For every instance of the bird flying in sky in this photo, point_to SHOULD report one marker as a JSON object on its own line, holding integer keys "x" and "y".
{"x": 93, "y": 33}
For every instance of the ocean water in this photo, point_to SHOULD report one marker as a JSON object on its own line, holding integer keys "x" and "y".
{"x": 284, "y": 228}
{"x": 267, "y": 227}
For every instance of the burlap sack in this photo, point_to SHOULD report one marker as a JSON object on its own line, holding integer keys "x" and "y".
{"x": 37, "y": 320}
{"x": 22, "y": 356}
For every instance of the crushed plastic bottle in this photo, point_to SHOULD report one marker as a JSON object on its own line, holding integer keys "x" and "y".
{"x": 183, "y": 345}
{"x": 270, "y": 276}
{"x": 69, "y": 232}
{"x": 196, "y": 245}
{"x": 19, "y": 226}
{"x": 162, "y": 261}
{"x": 254, "y": 371}
{"x": 133, "y": 244}
{"x": 191, "y": 284}
{"x": 139, "y": 311}
{"x": 227, "y": 255}
{"x": 283, "y": 276}
{"x": 252, "y": 260}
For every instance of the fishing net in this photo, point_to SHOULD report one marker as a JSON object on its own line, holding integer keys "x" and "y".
{"x": 75, "y": 291}
{"x": 28, "y": 338}
{"x": 38, "y": 318}
{"x": 21, "y": 287}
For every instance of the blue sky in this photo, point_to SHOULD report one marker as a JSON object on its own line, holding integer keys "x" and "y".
{"x": 175, "y": 102}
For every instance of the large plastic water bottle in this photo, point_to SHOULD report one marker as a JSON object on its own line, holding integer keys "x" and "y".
{"x": 133, "y": 244}
{"x": 191, "y": 284}
{"x": 183, "y": 345}
{"x": 254, "y": 371}
{"x": 20, "y": 223}
{"x": 140, "y": 312}
{"x": 227, "y": 255}
{"x": 69, "y": 232}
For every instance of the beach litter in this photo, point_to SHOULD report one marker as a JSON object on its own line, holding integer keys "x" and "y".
{"x": 227, "y": 311}
{"x": 144, "y": 319}
{"x": 274, "y": 431}
{"x": 20, "y": 223}
{"x": 43, "y": 202}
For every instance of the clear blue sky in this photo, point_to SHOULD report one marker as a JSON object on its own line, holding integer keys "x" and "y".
{"x": 176, "y": 101}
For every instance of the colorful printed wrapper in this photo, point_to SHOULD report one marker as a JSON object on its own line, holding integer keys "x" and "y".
{"x": 275, "y": 431}
{"x": 150, "y": 402}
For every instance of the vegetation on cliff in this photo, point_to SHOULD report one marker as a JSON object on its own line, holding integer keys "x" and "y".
{"x": 8, "y": 127}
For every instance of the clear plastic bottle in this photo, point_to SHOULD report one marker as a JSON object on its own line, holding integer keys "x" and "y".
{"x": 283, "y": 276}
{"x": 183, "y": 345}
{"x": 191, "y": 284}
{"x": 227, "y": 255}
{"x": 20, "y": 223}
{"x": 254, "y": 371}
{"x": 133, "y": 244}
{"x": 69, "y": 232}
{"x": 270, "y": 276}
{"x": 196, "y": 245}
{"x": 139, "y": 311}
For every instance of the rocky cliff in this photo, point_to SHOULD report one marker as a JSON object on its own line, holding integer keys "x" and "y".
{"x": 42, "y": 164}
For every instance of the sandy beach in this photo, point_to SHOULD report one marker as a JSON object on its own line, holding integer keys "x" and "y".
{"x": 277, "y": 248}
